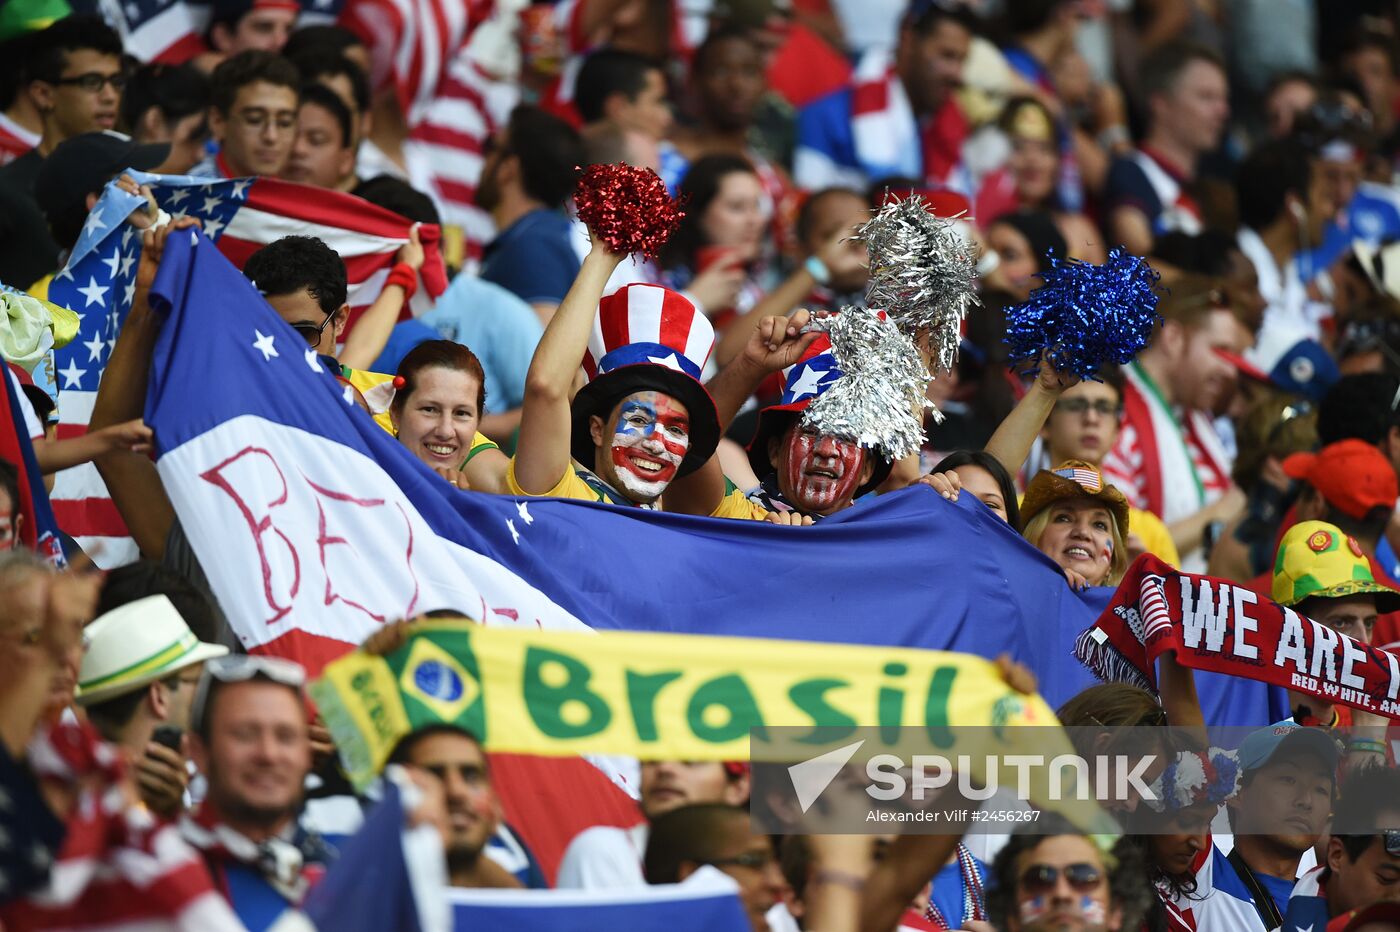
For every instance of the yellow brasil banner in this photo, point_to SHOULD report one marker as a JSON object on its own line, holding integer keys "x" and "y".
{"x": 674, "y": 697}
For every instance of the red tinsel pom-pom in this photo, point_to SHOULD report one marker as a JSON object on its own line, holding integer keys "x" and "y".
{"x": 628, "y": 208}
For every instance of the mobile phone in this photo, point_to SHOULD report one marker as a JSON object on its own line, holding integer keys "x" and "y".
{"x": 169, "y": 736}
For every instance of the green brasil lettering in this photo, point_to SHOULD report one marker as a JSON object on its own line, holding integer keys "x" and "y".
{"x": 373, "y": 704}
{"x": 546, "y": 703}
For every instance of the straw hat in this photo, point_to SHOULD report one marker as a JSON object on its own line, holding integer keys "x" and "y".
{"x": 1074, "y": 479}
{"x": 136, "y": 644}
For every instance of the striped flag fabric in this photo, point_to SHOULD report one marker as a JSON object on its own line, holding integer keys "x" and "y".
{"x": 39, "y": 530}
{"x": 172, "y": 31}
{"x": 120, "y": 867}
{"x": 1088, "y": 479}
{"x": 98, "y": 283}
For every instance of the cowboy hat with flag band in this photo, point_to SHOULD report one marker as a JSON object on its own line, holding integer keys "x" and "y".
{"x": 1074, "y": 479}
{"x": 803, "y": 382}
{"x": 1316, "y": 559}
{"x": 136, "y": 644}
{"x": 647, "y": 338}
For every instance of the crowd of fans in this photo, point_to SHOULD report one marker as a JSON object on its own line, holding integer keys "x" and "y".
{"x": 1248, "y": 148}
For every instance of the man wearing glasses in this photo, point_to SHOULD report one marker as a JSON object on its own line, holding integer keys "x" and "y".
{"x": 74, "y": 74}
{"x": 252, "y": 115}
{"x": 718, "y": 835}
{"x": 1060, "y": 880}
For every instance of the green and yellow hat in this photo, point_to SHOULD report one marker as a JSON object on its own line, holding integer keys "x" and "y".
{"x": 136, "y": 644}
{"x": 1316, "y": 559}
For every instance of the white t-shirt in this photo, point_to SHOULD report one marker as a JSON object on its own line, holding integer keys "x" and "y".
{"x": 603, "y": 858}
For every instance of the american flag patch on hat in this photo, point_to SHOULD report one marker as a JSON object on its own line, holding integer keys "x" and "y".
{"x": 1089, "y": 479}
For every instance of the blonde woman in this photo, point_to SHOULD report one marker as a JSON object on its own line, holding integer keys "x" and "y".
{"x": 1076, "y": 519}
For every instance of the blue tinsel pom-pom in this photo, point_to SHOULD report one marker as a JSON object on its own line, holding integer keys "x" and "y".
{"x": 1086, "y": 315}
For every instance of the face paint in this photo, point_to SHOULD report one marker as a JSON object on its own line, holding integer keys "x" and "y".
{"x": 1094, "y": 912}
{"x": 7, "y": 535}
{"x": 649, "y": 442}
{"x": 1034, "y": 908}
{"x": 819, "y": 473}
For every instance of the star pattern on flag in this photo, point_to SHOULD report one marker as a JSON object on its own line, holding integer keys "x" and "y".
{"x": 177, "y": 195}
{"x": 264, "y": 344}
{"x": 95, "y": 293}
{"x": 113, "y": 263}
{"x": 95, "y": 347}
{"x": 72, "y": 376}
{"x": 94, "y": 223}
{"x": 312, "y": 362}
{"x": 514, "y": 534}
{"x": 524, "y": 510}
{"x": 348, "y": 395}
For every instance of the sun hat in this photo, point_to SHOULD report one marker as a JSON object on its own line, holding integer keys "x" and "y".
{"x": 136, "y": 644}
{"x": 1074, "y": 479}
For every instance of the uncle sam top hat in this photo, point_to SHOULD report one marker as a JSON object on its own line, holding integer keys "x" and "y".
{"x": 648, "y": 338}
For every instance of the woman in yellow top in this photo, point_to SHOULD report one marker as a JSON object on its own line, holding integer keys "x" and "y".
{"x": 439, "y": 394}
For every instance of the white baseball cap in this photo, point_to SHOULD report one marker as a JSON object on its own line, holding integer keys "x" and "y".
{"x": 136, "y": 644}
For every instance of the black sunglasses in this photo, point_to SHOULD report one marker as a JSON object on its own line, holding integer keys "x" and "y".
{"x": 1040, "y": 879}
{"x": 93, "y": 81}
{"x": 312, "y": 333}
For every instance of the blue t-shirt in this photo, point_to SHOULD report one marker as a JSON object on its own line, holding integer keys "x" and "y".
{"x": 1278, "y": 889}
{"x": 500, "y": 328}
{"x": 533, "y": 257}
{"x": 1373, "y": 216}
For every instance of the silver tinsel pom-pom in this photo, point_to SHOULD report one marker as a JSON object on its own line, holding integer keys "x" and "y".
{"x": 882, "y": 386}
{"x": 923, "y": 273}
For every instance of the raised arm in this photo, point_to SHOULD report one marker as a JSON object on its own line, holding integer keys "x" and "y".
{"x": 1011, "y": 443}
{"x": 131, "y": 478}
{"x": 542, "y": 452}
{"x": 372, "y": 331}
{"x": 774, "y": 343}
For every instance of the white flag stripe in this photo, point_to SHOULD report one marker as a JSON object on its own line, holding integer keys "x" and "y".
{"x": 458, "y": 115}
{"x": 313, "y": 481}
{"x": 644, "y": 306}
{"x": 257, "y": 226}
{"x": 109, "y": 552}
{"x": 700, "y": 342}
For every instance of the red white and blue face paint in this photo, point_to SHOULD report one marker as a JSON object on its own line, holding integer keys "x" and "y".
{"x": 818, "y": 473}
{"x": 650, "y": 439}
{"x": 1083, "y": 912}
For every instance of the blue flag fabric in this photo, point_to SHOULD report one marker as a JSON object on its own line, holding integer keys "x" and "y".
{"x": 314, "y": 525}
{"x": 370, "y": 886}
{"x": 42, "y": 531}
{"x": 706, "y": 902}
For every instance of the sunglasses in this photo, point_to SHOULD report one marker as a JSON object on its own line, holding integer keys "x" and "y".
{"x": 1040, "y": 879}
{"x": 94, "y": 81}
{"x": 312, "y": 333}
{"x": 240, "y": 668}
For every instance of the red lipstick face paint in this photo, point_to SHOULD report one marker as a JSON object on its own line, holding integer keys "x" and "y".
{"x": 819, "y": 473}
{"x": 649, "y": 441}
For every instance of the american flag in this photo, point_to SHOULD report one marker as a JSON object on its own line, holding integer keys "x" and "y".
{"x": 172, "y": 31}
{"x": 451, "y": 104}
{"x": 120, "y": 867}
{"x": 240, "y": 215}
{"x": 1088, "y": 479}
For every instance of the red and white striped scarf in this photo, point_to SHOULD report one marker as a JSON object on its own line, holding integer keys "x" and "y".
{"x": 120, "y": 866}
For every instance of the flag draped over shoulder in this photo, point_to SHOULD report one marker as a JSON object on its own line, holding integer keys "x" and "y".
{"x": 120, "y": 867}
{"x": 99, "y": 281}
{"x": 1212, "y": 624}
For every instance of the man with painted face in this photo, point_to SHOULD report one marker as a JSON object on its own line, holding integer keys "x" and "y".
{"x": 802, "y": 474}
{"x": 642, "y": 419}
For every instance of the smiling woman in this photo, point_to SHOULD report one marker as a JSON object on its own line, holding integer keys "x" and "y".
{"x": 1079, "y": 521}
{"x": 439, "y": 394}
